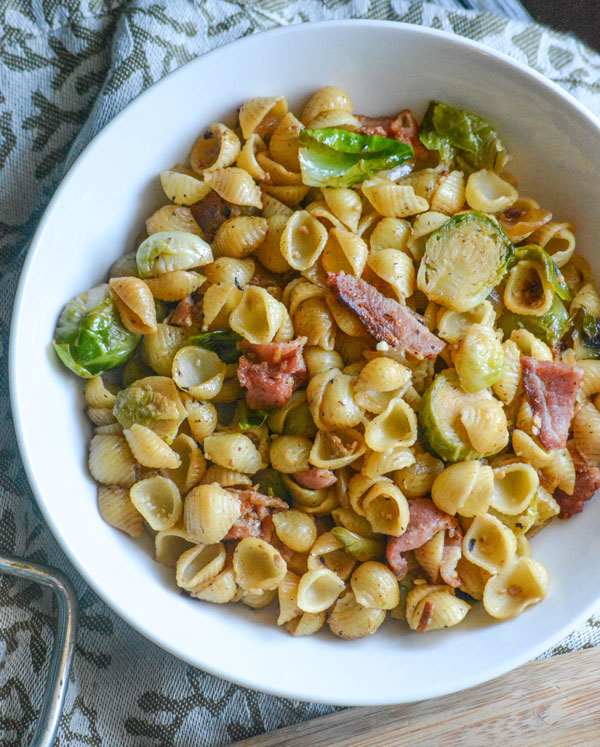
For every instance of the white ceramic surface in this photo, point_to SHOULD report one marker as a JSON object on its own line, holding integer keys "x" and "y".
{"x": 94, "y": 217}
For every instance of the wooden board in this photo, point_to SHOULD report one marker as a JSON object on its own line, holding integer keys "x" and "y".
{"x": 551, "y": 703}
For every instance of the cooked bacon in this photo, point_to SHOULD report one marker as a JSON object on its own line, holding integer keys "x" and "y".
{"x": 587, "y": 481}
{"x": 403, "y": 127}
{"x": 426, "y": 520}
{"x": 450, "y": 557}
{"x": 186, "y": 313}
{"x": 255, "y": 519}
{"x": 551, "y": 390}
{"x": 383, "y": 318}
{"x": 426, "y": 617}
{"x": 315, "y": 478}
{"x": 210, "y": 213}
{"x": 271, "y": 372}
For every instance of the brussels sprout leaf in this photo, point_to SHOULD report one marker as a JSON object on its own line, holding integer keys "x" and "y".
{"x": 551, "y": 327}
{"x": 222, "y": 341}
{"x": 360, "y": 547}
{"x": 464, "y": 138}
{"x": 250, "y": 418}
{"x": 330, "y": 157}
{"x": 553, "y": 274}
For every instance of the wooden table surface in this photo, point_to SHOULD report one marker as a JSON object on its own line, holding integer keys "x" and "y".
{"x": 549, "y": 703}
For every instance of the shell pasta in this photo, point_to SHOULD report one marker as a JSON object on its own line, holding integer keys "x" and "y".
{"x": 348, "y": 370}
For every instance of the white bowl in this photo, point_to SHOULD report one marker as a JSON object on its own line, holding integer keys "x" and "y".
{"x": 94, "y": 217}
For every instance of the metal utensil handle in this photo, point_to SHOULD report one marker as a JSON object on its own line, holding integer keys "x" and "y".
{"x": 64, "y": 645}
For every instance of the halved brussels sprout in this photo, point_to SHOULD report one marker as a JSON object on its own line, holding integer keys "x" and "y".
{"x": 553, "y": 274}
{"x": 440, "y": 417}
{"x": 464, "y": 260}
{"x": 90, "y": 337}
{"x": 462, "y": 137}
{"x": 141, "y": 404}
{"x": 480, "y": 359}
{"x": 270, "y": 482}
{"x": 551, "y": 327}
{"x": 167, "y": 251}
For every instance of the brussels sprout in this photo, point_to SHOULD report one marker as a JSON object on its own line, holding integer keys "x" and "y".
{"x": 586, "y": 334}
{"x": 139, "y": 403}
{"x": 167, "y": 251}
{"x": 331, "y": 157}
{"x": 464, "y": 260}
{"x": 551, "y": 327}
{"x": 439, "y": 417}
{"x": 464, "y": 138}
{"x": 90, "y": 337}
{"x": 223, "y": 342}
{"x": 270, "y": 482}
{"x": 360, "y": 547}
{"x": 250, "y": 418}
{"x": 553, "y": 274}
{"x": 479, "y": 359}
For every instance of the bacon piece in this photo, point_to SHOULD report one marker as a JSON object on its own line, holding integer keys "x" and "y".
{"x": 426, "y": 520}
{"x": 255, "y": 519}
{"x": 271, "y": 372}
{"x": 551, "y": 390}
{"x": 403, "y": 127}
{"x": 450, "y": 557}
{"x": 315, "y": 478}
{"x": 210, "y": 213}
{"x": 384, "y": 319}
{"x": 426, "y": 617}
{"x": 186, "y": 313}
{"x": 587, "y": 481}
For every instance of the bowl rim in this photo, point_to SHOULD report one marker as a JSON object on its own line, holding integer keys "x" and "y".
{"x": 27, "y": 459}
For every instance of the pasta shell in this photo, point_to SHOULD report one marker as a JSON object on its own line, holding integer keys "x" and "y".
{"x": 158, "y": 501}
{"x": 219, "y": 590}
{"x": 182, "y": 188}
{"x": 247, "y": 159}
{"x": 172, "y": 218}
{"x": 284, "y": 142}
{"x": 239, "y": 237}
{"x": 344, "y": 252}
{"x": 135, "y": 303}
{"x": 375, "y": 586}
{"x": 170, "y": 543}
{"x": 215, "y": 149}
{"x": 257, "y": 316}
{"x": 318, "y": 590}
{"x": 396, "y": 426}
{"x": 111, "y": 461}
{"x": 262, "y": 114}
{"x": 233, "y": 451}
{"x": 302, "y": 240}
{"x": 199, "y": 565}
{"x": 393, "y": 200}
{"x": 149, "y": 449}
{"x": 348, "y": 619}
{"x": 116, "y": 508}
{"x": 160, "y": 347}
{"x": 209, "y": 512}
{"x": 522, "y": 583}
{"x": 327, "y": 99}
{"x": 257, "y": 565}
{"x": 173, "y": 286}
{"x": 235, "y": 186}
{"x": 198, "y": 371}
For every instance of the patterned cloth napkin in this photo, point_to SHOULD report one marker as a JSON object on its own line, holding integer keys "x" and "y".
{"x": 66, "y": 68}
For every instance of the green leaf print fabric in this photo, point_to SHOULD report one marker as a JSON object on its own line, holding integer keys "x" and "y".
{"x": 66, "y": 68}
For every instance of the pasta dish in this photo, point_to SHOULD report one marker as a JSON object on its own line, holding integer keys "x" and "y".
{"x": 348, "y": 369}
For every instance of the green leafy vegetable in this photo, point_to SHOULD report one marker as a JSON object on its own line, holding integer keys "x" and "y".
{"x": 337, "y": 158}
{"x": 462, "y": 137}
{"x": 250, "y": 418}
{"x": 299, "y": 422}
{"x": 464, "y": 260}
{"x": 270, "y": 482}
{"x": 166, "y": 251}
{"x": 360, "y": 547}
{"x": 586, "y": 334}
{"x": 553, "y": 274}
{"x": 551, "y": 327}
{"x": 90, "y": 337}
{"x": 222, "y": 341}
